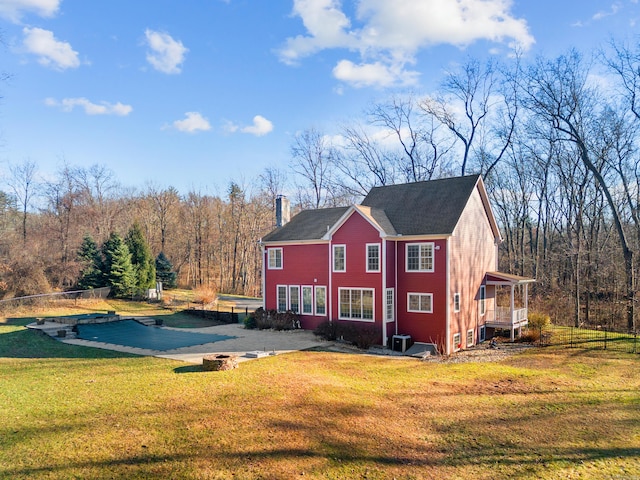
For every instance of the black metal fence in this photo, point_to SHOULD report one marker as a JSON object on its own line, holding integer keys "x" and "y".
{"x": 601, "y": 338}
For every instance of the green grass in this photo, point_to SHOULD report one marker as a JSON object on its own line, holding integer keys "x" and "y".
{"x": 72, "y": 412}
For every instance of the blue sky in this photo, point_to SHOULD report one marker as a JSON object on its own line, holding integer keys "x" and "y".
{"x": 194, "y": 94}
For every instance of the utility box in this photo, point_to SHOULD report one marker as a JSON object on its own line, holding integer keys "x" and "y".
{"x": 400, "y": 343}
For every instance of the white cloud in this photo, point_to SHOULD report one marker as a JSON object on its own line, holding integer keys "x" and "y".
{"x": 602, "y": 13}
{"x": 261, "y": 126}
{"x": 373, "y": 74}
{"x": 90, "y": 108}
{"x": 13, "y": 10}
{"x": 387, "y": 35}
{"x": 166, "y": 54}
{"x": 194, "y": 122}
{"x": 50, "y": 51}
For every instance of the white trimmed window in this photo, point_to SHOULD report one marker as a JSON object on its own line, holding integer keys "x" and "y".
{"x": 356, "y": 304}
{"x": 456, "y": 342}
{"x": 339, "y": 258}
{"x": 275, "y": 258}
{"x": 483, "y": 333}
{"x": 321, "y": 300}
{"x": 307, "y": 300}
{"x": 470, "y": 335}
{"x": 419, "y": 257}
{"x": 456, "y": 302}
{"x": 389, "y": 305}
{"x": 282, "y": 298}
{"x": 294, "y": 298}
{"x": 373, "y": 257}
{"x": 420, "y": 302}
{"x": 483, "y": 297}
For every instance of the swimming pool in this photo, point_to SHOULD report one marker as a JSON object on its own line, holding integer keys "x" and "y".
{"x": 130, "y": 333}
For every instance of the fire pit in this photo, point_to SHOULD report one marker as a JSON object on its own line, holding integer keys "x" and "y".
{"x": 215, "y": 363}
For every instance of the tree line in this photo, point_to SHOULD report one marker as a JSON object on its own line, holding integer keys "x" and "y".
{"x": 84, "y": 229}
{"x": 555, "y": 139}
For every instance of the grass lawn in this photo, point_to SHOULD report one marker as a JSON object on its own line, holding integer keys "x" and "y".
{"x": 73, "y": 412}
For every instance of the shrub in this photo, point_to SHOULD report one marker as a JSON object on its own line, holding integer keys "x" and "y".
{"x": 271, "y": 319}
{"x": 205, "y": 295}
{"x": 327, "y": 330}
{"x": 250, "y": 322}
{"x": 538, "y": 320}
{"x": 532, "y": 335}
{"x": 362, "y": 336}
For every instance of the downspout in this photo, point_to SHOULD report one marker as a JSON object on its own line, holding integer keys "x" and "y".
{"x": 395, "y": 292}
{"x": 264, "y": 271}
{"x": 329, "y": 298}
{"x": 383, "y": 300}
{"x": 448, "y": 307}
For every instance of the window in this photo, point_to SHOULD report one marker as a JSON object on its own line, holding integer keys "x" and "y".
{"x": 483, "y": 296}
{"x": 339, "y": 258}
{"x": 389, "y": 307}
{"x": 456, "y": 342}
{"x": 456, "y": 302}
{"x": 356, "y": 304}
{"x": 483, "y": 334}
{"x": 275, "y": 258}
{"x": 419, "y": 257}
{"x": 321, "y": 300}
{"x": 282, "y": 298}
{"x": 294, "y": 299}
{"x": 470, "y": 341}
{"x": 420, "y": 302}
{"x": 373, "y": 257}
{"x": 307, "y": 301}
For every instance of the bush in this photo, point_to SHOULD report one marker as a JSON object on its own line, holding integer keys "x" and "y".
{"x": 327, "y": 330}
{"x": 250, "y": 323}
{"x": 205, "y": 295}
{"x": 271, "y": 319}
{"x": 362, "y": 336}
{"x": 538, "y": 320}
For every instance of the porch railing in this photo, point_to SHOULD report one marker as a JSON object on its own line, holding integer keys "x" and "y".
{"x": 501, "y": 317}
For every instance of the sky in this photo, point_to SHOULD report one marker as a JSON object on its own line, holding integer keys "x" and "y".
{"x": 195, "y": 94}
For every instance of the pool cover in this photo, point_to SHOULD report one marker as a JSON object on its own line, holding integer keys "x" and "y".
{"x": 133, "y": 334}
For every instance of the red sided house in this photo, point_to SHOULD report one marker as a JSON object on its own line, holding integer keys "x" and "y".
{"x": 417, "y": 259}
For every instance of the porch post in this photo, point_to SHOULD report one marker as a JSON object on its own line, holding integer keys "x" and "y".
{"x": 526, "y": 298}
{"x": 513, "y": 331}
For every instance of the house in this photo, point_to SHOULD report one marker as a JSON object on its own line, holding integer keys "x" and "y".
{"x": 417, "y": 259}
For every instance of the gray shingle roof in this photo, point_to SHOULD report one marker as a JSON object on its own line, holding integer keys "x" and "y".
{"x": 422, "y": 208}
{"x": 307, "y": 225}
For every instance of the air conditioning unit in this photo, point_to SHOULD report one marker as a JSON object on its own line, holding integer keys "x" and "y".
{"x": 400, "y": 343}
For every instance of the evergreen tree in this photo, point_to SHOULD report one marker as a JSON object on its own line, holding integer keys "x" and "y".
{"x": 91, "y": 275}
{"x": 141, "y": 259}
{"x": 119, "y": 272}
{"x": 164, "y": 271}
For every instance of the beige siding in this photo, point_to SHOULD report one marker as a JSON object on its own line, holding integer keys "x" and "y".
{"x": 473, "y": 253}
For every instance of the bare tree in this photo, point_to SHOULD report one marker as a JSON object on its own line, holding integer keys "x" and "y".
{"x": 558, "y": 91}
{"x": 312, "y": 156}
{"x": 472, "y": 86}
{"x": 24, "y": 185}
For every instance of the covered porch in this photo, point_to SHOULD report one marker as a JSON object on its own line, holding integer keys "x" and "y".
{"x": 514, "y": 315}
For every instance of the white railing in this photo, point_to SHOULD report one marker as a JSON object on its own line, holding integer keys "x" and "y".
{"x": 502, "y": 317}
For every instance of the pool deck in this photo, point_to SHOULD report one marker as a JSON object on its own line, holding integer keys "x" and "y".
{"x": 246, "y": 344}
